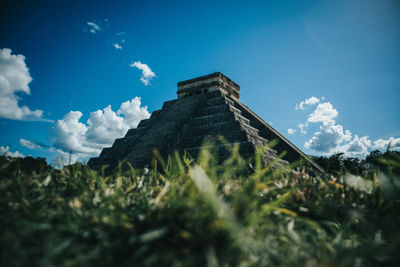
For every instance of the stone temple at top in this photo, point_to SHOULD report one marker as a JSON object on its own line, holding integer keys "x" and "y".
{"x": 209, "y": 83}
{"x": 207, "y": 107}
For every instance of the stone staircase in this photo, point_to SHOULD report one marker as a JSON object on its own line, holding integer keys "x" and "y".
{"x": 218, "y": 116}
{"x": 138, "y": 144}
{"x": 184, "y": 124}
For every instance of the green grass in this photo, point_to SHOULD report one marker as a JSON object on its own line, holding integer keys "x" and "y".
{"x": 198, "y": 213}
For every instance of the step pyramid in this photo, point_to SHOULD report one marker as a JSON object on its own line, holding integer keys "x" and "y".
{"x": 206, "y": 107}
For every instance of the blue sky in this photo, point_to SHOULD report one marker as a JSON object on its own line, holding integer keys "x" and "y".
{"x": 76, "y": 58}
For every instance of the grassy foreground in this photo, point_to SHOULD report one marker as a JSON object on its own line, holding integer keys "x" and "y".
{"x": 198, "y": 214}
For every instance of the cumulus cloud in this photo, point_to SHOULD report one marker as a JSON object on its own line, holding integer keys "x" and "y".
{"x": 328, "y": 138}
{"x": 103, "y": 126}
{"x": 101, "y": 129}
{"x": 29, "y": 144}
{"x": 324, "y": 113}
{"x": 93, "y": 27}
{"x": 70, "y": 135}
{"x": 357, "y": 147}
{"x": 117, "y": 46}
{"x": 382, "y": 144}
{"x": 291, "y": 131}
{"x": 147, "y": 73}
{"x": 5, "y": 151}
{"x": 14, "y": 78}
{"x": 332, "y": 138}
{"x": 306, "y": 103}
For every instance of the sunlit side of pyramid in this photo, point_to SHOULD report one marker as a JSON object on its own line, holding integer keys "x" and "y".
{"x": 206, "y": 107}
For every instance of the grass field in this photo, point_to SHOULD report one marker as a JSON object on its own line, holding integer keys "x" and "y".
{"x": 199, "y": 213}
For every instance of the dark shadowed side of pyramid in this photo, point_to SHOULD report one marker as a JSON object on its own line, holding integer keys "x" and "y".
{"x": 206, "y": 107}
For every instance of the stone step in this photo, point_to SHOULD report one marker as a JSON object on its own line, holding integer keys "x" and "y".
{"x": 230, "y": 128}
{"x": 214, "y": 94}
{"x": 169, "y": 122}
{"x": 168, "y": 103}
{"x": 215, "y": 101}
{"x": 208, "y": 116}
{"x": 155, "y": 113}
{"x": 213, "y": 118}
{"x": 245, "y": 148}
{"x": 257, "y": 140}
{"x": 198, "y": 139}
{"x": 242, "y": 119}
{"x": 121, "y": 145}
{"x": 215, "y": 128}
{"x": 216, "y": 125}
{"x": 95, "y": 163}
{"x": 188, "y": 101}
{"x": 134, "y": 132}
{"x": 207, "y": 110}
{"x": 105, "y": 152}
{"x": 235, "y": 110}
{"x": 143, "y": 123}
{"x": 250, "y": 129}
{"x": 229, "y": 101}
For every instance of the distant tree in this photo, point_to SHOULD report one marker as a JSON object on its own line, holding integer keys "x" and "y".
{"x": 373, "y": 157}
{"x": 336, "y": 163}
{"x": 26, "y": 165}
{"x": 388, "y": 162}
{"x": 353, "y": 165}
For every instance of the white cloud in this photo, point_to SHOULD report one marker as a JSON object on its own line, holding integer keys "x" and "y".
{"x": 5, "y": 151}
{"x": 93, "y": 27}
{"x": 357, "y": 147}
{"x": 70, "y": 135}
{"x": 302, "y": 127}
{"x": 306, "y": 103}
{"x": 14, "y": 77}
{"x": 324, "y": 113}
{"x": 29, "y": 144}
{"x": 328, "y": 138}
{"x": 382, "y": 144}
{"x": 147, "y": 73}
{"x": 332, "y": 138}
{"x": 101, "y": 129}
{"x": 291, "y": 131}
{"x": 117, "y": 46}
{"x": 116, "y": 39}
{"x": 104, "y": 125}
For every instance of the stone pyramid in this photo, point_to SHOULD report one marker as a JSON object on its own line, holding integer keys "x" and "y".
{"x": 206, "y": 107}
